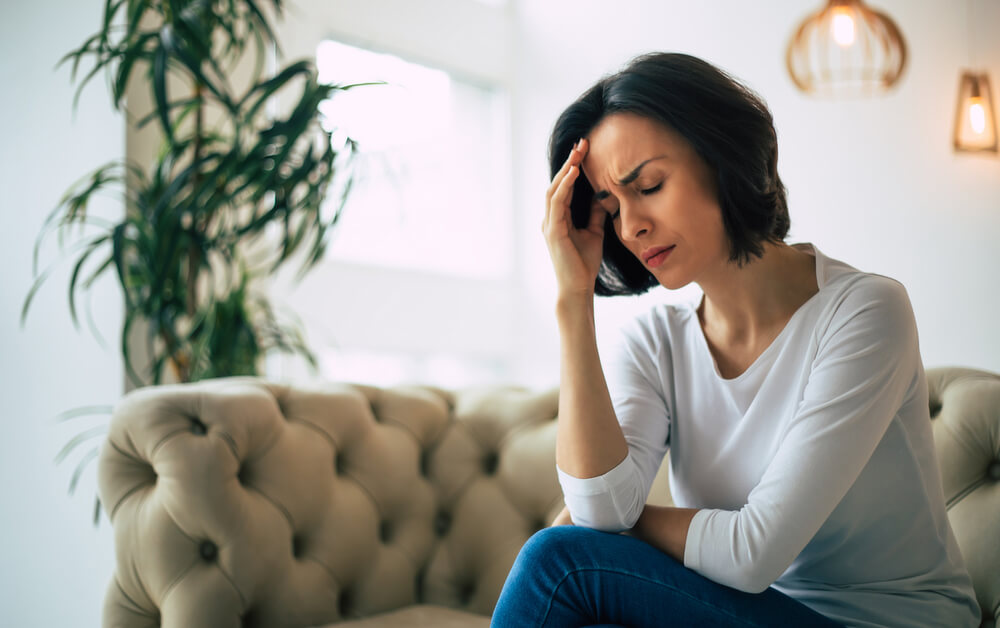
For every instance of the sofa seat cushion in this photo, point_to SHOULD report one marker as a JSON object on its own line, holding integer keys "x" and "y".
{"x": 421, "y": 615}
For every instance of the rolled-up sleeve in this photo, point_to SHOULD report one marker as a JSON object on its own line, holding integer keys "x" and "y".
{"x": 613, "y": 501}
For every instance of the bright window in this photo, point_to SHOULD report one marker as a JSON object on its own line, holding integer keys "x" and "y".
{"x": 431, "y": 189}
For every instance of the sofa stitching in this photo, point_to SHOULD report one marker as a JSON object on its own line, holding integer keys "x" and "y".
{"x": 173, "y": 584}
{"x": 142, "y": 585}
{"x": 243, "y": 599}
{"x": 281, "y": 509}
{"x": 329, "y": 437}
{"x": 134, "y": 459}
{"x": 131, "y": 491}
{"x": 962, "y": 494}
{"x": 325, "y": 568}
{"x": 225, "y": 436}
{"x": 152, "y": 454}
{"x": 138, "y": 607}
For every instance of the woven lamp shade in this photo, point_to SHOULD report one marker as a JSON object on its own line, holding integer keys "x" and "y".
{"x": 846, "y": 49}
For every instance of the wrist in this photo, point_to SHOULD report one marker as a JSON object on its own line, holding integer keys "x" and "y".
{"x": 575, "y": 303}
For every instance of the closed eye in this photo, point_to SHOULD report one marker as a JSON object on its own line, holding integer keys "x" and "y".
{"x": 652, "y": 190}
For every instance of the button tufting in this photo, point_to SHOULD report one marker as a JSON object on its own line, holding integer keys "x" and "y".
{"x": 425, "y": 463}
{"x": 197, "y": 427}
{"x": 935, "y": 407}
{"x": 297, "y": 546}
{"x": 466, "y": 593}
{"x": 419, "y": 584}
{"x": 340, "y": 464}
{"x": 385, "y": 531}
{"x": 345, "y": 603}
{"x": 994, "y": 471}
{"x": 208, "y": 551}
{"x": 490, "y": 463}
{"x": 441, "y": 523}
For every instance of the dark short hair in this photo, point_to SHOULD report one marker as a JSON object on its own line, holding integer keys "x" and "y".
{"x": 729, "y": 127}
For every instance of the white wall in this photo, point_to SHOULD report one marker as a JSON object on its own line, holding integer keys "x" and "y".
{"x": 872, "y": 182}
{"x": 56, "y": 565}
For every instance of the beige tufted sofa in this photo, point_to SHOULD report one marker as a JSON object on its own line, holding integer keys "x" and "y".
{"x": 238, "y": 502}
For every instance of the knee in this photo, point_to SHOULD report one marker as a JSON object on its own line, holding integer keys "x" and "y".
{"x": 555, "y": 545}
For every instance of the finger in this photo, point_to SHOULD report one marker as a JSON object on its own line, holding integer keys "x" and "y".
{"x": 564, "y": 193}
{"x": 558, "y": 210}
{"x": 557, "y": 181}
{"x": 574, "y": 158}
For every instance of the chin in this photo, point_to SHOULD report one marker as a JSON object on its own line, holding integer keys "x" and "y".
{"x": 672, "y": 283}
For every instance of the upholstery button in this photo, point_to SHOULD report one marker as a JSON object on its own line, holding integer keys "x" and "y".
{"x": 935, "y": 407}
{"x": 425, "y": 463}
{"x": 208, "y": 551}
{"x": 197, "y": 427}
{"x": 490, "y": 463}
{"x": 441, "y": 523}
{"x": 994, "y": 471}
{"x": 385, "y": 531}
{"x": 345, "y": 603}
{"x": 340, "y": 464}
{"x": 465, "y": 593}
{"x": 297, "y": 546}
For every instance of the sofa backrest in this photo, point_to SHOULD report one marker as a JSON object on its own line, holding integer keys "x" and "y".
{"x": 237, "y": 502}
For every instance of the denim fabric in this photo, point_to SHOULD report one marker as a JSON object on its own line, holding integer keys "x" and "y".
{"x": 569, "y": 576}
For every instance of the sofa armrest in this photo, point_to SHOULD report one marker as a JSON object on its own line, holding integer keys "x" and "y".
{"x": 965, "y": 413}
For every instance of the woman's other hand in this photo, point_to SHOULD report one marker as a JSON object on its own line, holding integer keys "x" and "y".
{"x": 576, "y": 253}
{"x": 562, "y": 519}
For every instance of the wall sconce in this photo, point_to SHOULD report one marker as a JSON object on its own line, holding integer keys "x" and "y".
{"x": 975, "y": 118}
{"x": 846, "y": 49}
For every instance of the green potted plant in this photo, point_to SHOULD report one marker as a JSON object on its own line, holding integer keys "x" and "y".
{"x": 236, "y": 169}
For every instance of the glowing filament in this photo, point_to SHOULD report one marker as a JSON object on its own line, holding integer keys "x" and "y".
{"x": 843, "y": 26}
{"x": 977, "y": 115}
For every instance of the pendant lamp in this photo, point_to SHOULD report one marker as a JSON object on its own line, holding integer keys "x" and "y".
{"x": 846, "y": 49}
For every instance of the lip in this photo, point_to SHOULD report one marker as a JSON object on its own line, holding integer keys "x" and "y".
{"x": 657, "y": 255}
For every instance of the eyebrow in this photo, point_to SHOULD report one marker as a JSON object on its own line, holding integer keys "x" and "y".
{"x": 629, "y": 178}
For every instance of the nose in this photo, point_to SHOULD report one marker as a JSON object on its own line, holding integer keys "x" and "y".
{"x": 635, "y": 221}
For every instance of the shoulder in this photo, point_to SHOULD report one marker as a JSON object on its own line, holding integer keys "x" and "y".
{"x": 852, "y": 295}
{"x": 848, "y": 292}
{"x": 869, "y": 313}
{"x": 660, "y": 326}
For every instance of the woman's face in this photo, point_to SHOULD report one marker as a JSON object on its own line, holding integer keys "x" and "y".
{"x": 661, "y": 195}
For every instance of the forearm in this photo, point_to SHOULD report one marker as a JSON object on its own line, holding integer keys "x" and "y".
{"x": 665, "y": 528}
{"x": 589, "y": 440}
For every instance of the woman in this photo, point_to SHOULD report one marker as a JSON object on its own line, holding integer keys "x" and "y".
{"x": 792, "y": 396}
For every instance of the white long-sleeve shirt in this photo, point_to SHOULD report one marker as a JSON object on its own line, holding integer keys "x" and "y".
{"x": 814, "y": 470}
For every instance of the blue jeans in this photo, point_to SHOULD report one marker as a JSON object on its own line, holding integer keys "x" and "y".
{"x": 568, "y": 576}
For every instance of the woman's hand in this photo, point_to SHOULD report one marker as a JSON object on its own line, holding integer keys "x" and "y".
{"x": 562, "y": 519}
{"x": 576, "y": 253}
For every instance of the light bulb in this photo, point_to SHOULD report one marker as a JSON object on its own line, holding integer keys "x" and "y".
{"x": 977, "y": 115}
{"x": 842, "y": 26}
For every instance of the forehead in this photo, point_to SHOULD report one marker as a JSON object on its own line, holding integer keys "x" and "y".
{"x": 622, "y": 141}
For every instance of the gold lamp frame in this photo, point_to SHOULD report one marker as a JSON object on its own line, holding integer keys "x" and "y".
{"x": 822, "y": 64}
